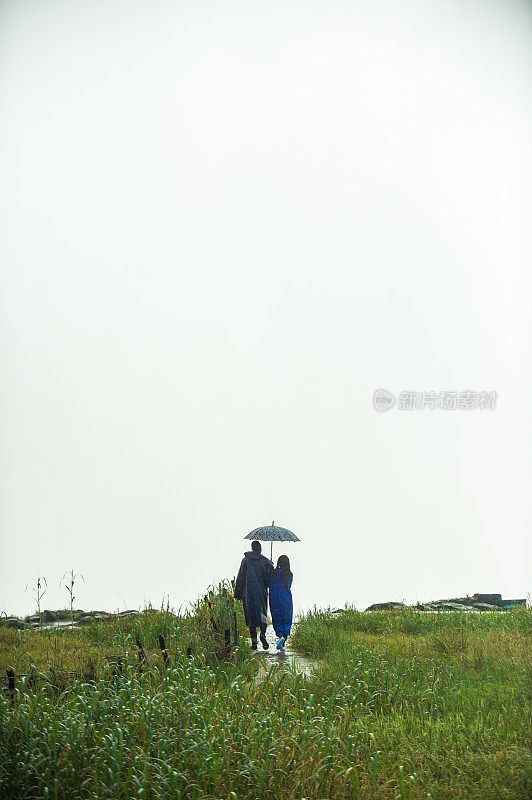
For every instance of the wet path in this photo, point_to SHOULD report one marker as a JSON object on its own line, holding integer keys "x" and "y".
{"x": 286, "y": 659}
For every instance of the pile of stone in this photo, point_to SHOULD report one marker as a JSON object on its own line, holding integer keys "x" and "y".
{"x": 62, "y": 619}
{"x": 478, "y": 602}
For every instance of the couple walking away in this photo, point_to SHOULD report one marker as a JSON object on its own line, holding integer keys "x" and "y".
{"x": 256, "y": 577}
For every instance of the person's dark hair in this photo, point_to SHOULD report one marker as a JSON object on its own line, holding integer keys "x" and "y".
{"x": 256, "y": 546}
{"x": 283, "y": 566}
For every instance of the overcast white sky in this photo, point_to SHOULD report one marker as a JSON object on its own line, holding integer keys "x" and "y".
{"x": 223, "y": 225}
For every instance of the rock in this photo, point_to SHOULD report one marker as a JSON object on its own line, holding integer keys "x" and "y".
{"x": 14, "y": 622}
{"x": 391, "y": 606}
{"x": 94, "y": 616}
{"x": 98, "y": 614}
{"x": 64, "y": 613}
{"x": 446, "y": 605}
{"x": 491, "y": 599}
{"x": 479, "y": 602}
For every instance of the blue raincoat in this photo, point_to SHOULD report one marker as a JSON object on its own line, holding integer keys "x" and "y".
{"x": 281, "y": 605}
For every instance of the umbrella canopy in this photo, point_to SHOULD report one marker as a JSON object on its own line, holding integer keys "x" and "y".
{"x": 272, "y": 533}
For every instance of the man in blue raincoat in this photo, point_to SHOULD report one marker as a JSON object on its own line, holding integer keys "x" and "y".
{"x": 252, "y": 588}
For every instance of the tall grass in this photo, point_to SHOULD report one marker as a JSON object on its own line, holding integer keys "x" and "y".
{"x": 448, "y": 694}
{"x": 388, "y": 713}
{"x": 86, "y": 650}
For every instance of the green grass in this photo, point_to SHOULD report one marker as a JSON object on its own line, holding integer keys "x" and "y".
{"x": 400, "y": 705}
{"x": 445, "y": 695}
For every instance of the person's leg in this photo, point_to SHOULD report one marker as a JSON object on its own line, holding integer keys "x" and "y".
{"x": 253, "y": 635}
{"x": 264, "y": 620}
{"x": 283, "y": 636}
{"x": 263, "y": 638}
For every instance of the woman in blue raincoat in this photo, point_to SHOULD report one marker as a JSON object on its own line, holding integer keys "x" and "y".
{"x": 281, "y": 606}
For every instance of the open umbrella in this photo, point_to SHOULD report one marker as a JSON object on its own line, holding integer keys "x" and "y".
{"x": 272, "y": 533}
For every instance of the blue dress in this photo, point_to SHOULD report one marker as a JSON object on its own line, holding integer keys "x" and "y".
{"x": 281, "y": 606}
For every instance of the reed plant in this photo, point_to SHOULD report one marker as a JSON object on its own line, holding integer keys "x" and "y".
{"x": 69, "y": 586}
{"x": 38, "y": 587}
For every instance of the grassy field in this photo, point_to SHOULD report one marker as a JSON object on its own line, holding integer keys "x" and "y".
{"x": 446, "y": 696}
{"x": 400, "y": 705}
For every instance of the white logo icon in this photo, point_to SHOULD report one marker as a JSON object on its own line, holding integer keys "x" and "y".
{"x": 383, "y": 400}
